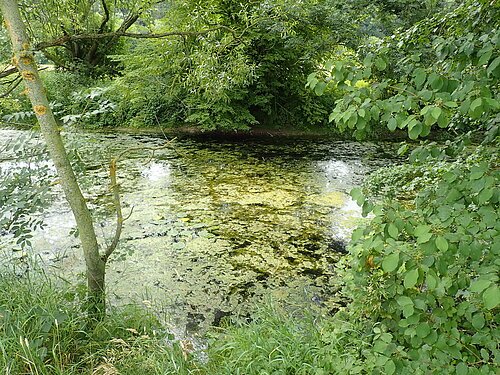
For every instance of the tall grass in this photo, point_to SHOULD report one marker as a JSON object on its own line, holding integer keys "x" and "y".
{"x": 281, "y": 343}
{"x": 43, "y": 331}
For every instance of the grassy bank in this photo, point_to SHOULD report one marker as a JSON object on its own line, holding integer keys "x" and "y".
{"x": 44, "y": 331}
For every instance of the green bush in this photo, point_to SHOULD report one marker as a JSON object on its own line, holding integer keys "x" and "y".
{"x": 425, "y": 276}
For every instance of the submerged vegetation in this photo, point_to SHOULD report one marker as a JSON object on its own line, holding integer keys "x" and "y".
{"x": 417, "y": 291}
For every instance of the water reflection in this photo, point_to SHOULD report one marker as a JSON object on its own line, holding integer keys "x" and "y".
{"x": 218, "y": 226}
{"x": 157, "y": 172}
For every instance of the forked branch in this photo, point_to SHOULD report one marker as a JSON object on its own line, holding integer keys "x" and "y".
{"x": 115, "y": 189}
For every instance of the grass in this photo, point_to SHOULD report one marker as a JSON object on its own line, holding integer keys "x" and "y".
{"x": 43, "y": 331}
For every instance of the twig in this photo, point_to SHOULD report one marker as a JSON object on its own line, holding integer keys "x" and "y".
{"x": 13, "y": 86}
{"x": 118, "y": 207}
{"x": 115, "y": 188}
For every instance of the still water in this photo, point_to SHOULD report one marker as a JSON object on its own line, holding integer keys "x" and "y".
{"x": 215, "y": 225}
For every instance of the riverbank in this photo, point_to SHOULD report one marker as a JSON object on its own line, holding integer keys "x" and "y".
{"x": 45, "y": 332}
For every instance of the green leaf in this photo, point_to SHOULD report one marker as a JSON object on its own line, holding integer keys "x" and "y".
{"x": 431, "y": 282}
{"x": 389, "y": 367}
{"x": 392, "y": 124}
{"x": 380, "y": 63}
{"x": 404, "y": 301}
{"x": 426, "y": 94}
{"x": 390, "y": 262}
{"x": 408, "y": 311}
{"x": 424, "y": 237}
{"x": 476, "y": 108}
{"x": 423, "y": 329}
{"x": 479, "y": 285}
{"x": 415, "y": 130}
{"x": 462, "y": 369}
{"x": 421, "y": 229}
{"x": 477, "y": 171}
{"x": 436, "y": 112}
{"x": 411, "y": 278}
{"x": 319, "y": 88}
{"x": 393, "y": 231}
{"x": 484, "y": 196}
{"x": 478, "y": 321}
{"x": 358, "y": 196}
{"x": 491, "y": 297}
{"x": 420, "y": 77}
{"x": 493, "y": 66}
{"x": 441, "y": 243}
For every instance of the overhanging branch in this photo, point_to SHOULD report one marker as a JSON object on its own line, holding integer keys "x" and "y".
{"x": 70, "y": 38}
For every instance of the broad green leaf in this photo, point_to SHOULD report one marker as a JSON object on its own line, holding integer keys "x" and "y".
{"x": 485, "y": 58}
{"x": 431, "y": 282}
{"x": 421, "y": 229}
{"x": 390, "y": 262}
{"x": 485, "y": 195}
{"x": 358, "y": 196}
{"x": 441, "y": 243}
{"x": 411, "y": 278}
{"x": 423, "y": 238}
{"x": 389, "y": 367}
{"x": 436, "y": 112}
{"x": 404, "y": 300}
{"x": 478, "y": 286}
{"x": 462, "y": 369}
{"x": 392, "y": 124}
{"x": 380, "y": 63}
{"x": 423, "y": 329}
{"x": 491, "y": 297}
{"x": 415, "y": 131}
{"x": 420, "y": 77}
{"x": 408, "y": 311}
{"x": 451, "y": 104}
{"x": 493, "y": 66}
{"x": 319, "y": 88}
{"x": 393, "y": 231}
{"x": 476, "y": 108}
{"x": 478, "y": 320}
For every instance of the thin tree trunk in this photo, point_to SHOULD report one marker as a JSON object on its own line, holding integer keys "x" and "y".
{"x": 24, "y": 61}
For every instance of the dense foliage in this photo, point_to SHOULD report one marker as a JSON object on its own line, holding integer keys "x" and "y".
{"x": 423, "y": 273}
{"x": 442, "y": 72}
{"x": 231, "y": 67}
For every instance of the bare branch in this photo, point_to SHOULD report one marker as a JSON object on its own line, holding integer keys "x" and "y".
{"x": 106, "y": 17}
{"x": 115, "y": 188}
{"x": 8, "y": 71}
{"x": 12, "y": 87}
{"x": 118, "y": 207}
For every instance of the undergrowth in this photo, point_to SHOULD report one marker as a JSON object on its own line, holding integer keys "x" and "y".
{"x": 43, "y": 331}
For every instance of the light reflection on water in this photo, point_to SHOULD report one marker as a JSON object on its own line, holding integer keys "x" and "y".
{"x": 216, "y": 226}
{"x": 157, "y": 172}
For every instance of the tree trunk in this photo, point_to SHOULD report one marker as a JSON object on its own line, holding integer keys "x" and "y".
{"x": 24, "y": 61}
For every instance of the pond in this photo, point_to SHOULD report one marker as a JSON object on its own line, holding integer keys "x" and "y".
{"x": 215, "y": 225}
